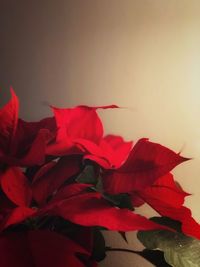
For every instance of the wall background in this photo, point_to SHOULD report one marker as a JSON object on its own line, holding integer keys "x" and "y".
{"x": 139, "y": 54}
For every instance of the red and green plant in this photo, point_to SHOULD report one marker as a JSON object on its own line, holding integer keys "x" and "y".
{"x": 62, "y": 181}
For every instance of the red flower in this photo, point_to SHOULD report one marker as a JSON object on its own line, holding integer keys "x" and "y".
{"x": 15, "y": 196}
{"x": 71, "y": 202}
{"x": 16, "y": 187}
{"x": 167, "y": 198}
{"x": 80, "y": 131}
{"x": 90, "y": 209}
{"x": 146, "y": 163}
{"x": 110, "y": 153}
{"x": 22, "y": 143}
{"x": 51, "y": 177}
{"x": 47, "y": 194}
{"x": 145, "y": 177}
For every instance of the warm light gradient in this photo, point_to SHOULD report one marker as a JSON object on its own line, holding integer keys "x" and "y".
{"x": 143, "y": 55}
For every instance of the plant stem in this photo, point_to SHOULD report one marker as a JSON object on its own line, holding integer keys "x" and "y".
{"x": 122, "y": 250}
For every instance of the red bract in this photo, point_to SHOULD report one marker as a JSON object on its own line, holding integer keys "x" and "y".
{"x": 75, "y": 179}
{"x": 90, "y": 209}
{"x": 16, "y": 215}
{"x": 167, "y": 199}
{"x": 16, "y": 187}
{"x": 110, "y": 153}
{"x": 51, "y": 179}
{"x": 22, "y": 143}
{"x": 72, "y": 203}
{"x": 81, "y": 122}
{"x": 39, "y": 249}
{"x": 16, "y": 196}
{"x": 147, "y": 162}
{"x": 80, "y": 131}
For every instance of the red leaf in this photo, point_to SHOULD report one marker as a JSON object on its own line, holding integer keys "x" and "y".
{"x": 31, "y": 128}
{"x": 89, "y": 209}
{"x": 43, "y": 170}
{"x": 36, "y": 153}
{"x": 166, "y": 190}
{"x": 70, "y": 191}
{"x": 136, "y": 200}
{"x": 152, "y": 157}
{"x": 38, "y": 249}
{"x": 30, "y": 134}
{"x": 79, "y": 123}
{"x": 8, "y": 122}
{"x": 15, "y": 216}
{"x": 189, "y": 225}
{"x": 16, "y": 187}
{"x": 147, "y": 162}
{"x": 51, "y": 181}
{"x": 119, "y": 149}
{"x": 23, "y": 143}
{"x": 64, "y": 147}
{"x": 167, "y": 199}
{"x": 93, "y": 152}
{"x": 110, "y": 153}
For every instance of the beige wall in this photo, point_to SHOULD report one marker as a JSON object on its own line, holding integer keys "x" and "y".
{"x": 139, "y": 54}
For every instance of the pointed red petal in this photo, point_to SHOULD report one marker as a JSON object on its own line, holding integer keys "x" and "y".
{"x": 119, "y": 151}
{"x": 110, "y": 153}
{"x": 55, "y": 177}
{"x": 151, "y": 157}
{"x": 90, "y": 210}
{"x": 79, "y": 122}
{"x": 43, "y": 170}
{"x": 147, "y": 162}
{"x": 26, "y": 154}
{"x": 16, "y": 187}
{"x": 189, "y": 225}
{"x": 70, "y": 191}
{"x": 136, "y": 200}
{"x": 36, "y": 153}
{"x": 15, "y": 216}
{"x": 164, "y": 189}
{"x": 167, "y": 199}
{"x": 30, "y": 142}
{"x": 28, "y": 131}
{"x": 62, "y": 148}
{"x": 93, "y": 152}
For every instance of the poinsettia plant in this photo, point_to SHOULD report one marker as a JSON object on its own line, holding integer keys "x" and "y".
{"x": 63, "y": 181}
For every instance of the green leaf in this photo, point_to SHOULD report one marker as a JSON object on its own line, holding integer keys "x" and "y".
{"x": 88, "y": 175}
{"x": 123, "y": 235}
{"x": 99, "y": 185}
{"x": 155, "y": 257}
{"x": 179, "y": 250}
{"x": 122, "y": 201}
{"x": 176, "y": 225}
{"x": 99, "y": 247}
